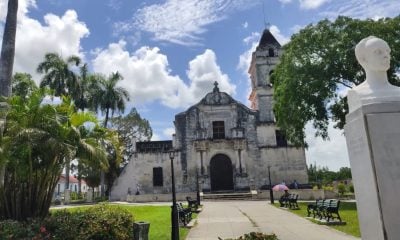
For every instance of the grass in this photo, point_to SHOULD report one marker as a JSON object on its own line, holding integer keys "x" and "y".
{"x": 347, "y": 211}
{"x": 159, "y": 218}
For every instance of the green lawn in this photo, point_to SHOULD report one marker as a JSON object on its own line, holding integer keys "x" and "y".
{"x": 347, "y": 211}
{"x": 159, "y": 218}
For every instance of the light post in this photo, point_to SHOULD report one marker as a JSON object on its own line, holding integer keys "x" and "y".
{"x": 197, "y": 187}
{"x": 174, "y": 212}
{"x": 271, "y": 194}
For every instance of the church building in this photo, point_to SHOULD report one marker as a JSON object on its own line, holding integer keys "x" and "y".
{"x": 220, "y": 143}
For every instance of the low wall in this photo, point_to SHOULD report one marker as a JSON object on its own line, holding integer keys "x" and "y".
{"x": 158, "y": 197}
{"x": 304, "y": 194}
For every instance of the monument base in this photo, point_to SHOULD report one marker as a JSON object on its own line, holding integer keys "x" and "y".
{"x": 373, "y": 137}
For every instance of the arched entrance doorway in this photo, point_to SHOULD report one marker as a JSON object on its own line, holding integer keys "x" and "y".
{"x": 221, "y": 173}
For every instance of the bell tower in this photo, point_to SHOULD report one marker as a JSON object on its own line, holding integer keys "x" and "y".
{"x": 263, "y": 62}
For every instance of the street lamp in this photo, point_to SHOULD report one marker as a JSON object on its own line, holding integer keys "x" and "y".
{"x": 197, "y": 187}
{"x": 174, "y": 212}
{"x": 271, "y": 194}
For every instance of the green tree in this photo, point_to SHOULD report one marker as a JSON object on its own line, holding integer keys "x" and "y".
{"x": 317, "y": 63}
{"x": 344, "y": 173}
{"x": 59, "y": 76}
{"x": 131, "y": 127}
{"x": 341, "y": 189}
{"x": 23, "y": 85}
{"x": 108, "y": 98}
{"x": 38, "y": 139}
{"x": 6, "y": 68}
{"x": 58, "y": 73}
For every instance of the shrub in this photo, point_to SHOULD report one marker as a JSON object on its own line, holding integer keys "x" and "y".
{"x": 341, "y": 189}
{"x": 257, "y": 236}
{"x": 98, "y": 222}
{"x": 32, "y": 229}
{"x": 351, "y": 188}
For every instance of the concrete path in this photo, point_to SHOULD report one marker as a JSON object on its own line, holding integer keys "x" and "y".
{"x": 234, "y": 218}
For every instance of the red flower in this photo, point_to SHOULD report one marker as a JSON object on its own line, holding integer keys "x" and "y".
{"x": 42, "y": 229}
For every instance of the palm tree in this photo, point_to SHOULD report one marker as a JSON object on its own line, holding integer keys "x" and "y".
{"x": 58, "y": 74}
{"x": 60, "y": 78}
{"x": 8, "y": 49}
{"x": 108, "y": 98}
{"x": 6, "y": 67}
{"x": 38, "y": 140}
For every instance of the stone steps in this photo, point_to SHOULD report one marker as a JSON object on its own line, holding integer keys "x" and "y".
{"x": 228, "y": 196}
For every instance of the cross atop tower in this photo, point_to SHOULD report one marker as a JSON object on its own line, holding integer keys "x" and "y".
{"x": 216, "y": 89}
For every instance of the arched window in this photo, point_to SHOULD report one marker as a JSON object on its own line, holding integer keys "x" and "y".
{"x": 271, "y": 52}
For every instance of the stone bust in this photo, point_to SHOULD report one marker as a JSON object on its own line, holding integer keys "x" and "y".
{"x": 373, "y": 54}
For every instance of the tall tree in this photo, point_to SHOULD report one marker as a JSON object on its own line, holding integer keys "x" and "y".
{"x": 6, "y": 67}
{"x": 38, "y": 139}
{"x": 8, "y": 48}
{"x": 23, "y": 85}
{"x": 59, "y": 77}
{"x": 318, "y": 63}
{"x": 130, "y": 128}
{"x": 58, "y": 74}
{"x": 108, "y": 98}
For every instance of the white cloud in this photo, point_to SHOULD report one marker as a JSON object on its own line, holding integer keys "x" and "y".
{"x": 245, "y": 58}
{"x": 34, "y": 39}
{"x": 296, "y": 28}
{"x": 182, "y": 22}
{"x": 59, "y": 34}
{"x": 362, "y": 9}
{"x": 168, "y": 133}
{"x": 23, "y": 7}
{"x": 148, "y": 77}
{"x": 114, "y": 4}
{"x": 285, "y": 1}
{"x": 278, "y": 35}
{"x": 245, "y": 25}
{"x": 332, "y": 153}
{"x": 312, "y": 4}
{"x": 155, "y": 137}
{"x": 252, "y": 42}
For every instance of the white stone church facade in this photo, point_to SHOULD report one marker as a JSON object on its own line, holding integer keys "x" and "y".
{"x": 226, "y": 144}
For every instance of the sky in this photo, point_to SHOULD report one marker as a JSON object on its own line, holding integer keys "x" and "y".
{"x": 171, "y": 51}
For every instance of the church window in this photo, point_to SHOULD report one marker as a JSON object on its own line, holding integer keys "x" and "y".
{"x": 218, "y": 130}
{"x": 157, "y": 177}
{"x": 271, "y": 52}
{"x": 280, "y": 138}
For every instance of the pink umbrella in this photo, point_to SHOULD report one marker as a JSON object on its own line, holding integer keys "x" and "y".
{"x": 280, "y": 187}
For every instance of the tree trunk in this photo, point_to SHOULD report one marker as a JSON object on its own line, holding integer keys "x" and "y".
{"x": 102, "y": 174}
{"x": 67, "y": 170}
{"x": 6, "y": 66}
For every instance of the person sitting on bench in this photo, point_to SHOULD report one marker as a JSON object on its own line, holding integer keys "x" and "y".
{"x": 284, "y": 198}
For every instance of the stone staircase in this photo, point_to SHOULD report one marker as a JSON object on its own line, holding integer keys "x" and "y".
{"x": 228, "y": 196}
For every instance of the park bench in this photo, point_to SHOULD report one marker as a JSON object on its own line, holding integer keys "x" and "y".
{"x": 333, "y": 208}
{"x": 184, "y": 214}
{"x": 192, "y": 204}
{"x": 327, "y": 209}
{"x": 312, "y": 208}
{"x": 293, "y": 201}
{"x": 321, "y": 210}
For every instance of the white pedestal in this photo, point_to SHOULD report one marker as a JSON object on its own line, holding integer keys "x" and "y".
{"x": 67, "y": 196}
{"x": 89, "y": 196}
{"x": 373, "y": 142}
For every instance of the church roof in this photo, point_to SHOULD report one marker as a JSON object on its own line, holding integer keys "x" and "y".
{"x": 268, "y": 39}
{"x": 216, "y": 97}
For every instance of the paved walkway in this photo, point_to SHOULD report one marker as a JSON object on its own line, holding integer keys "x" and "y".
{"x": 234, "y": 218}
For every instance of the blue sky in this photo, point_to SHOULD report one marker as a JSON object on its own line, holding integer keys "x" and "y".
{"x": 171, "y": 51}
